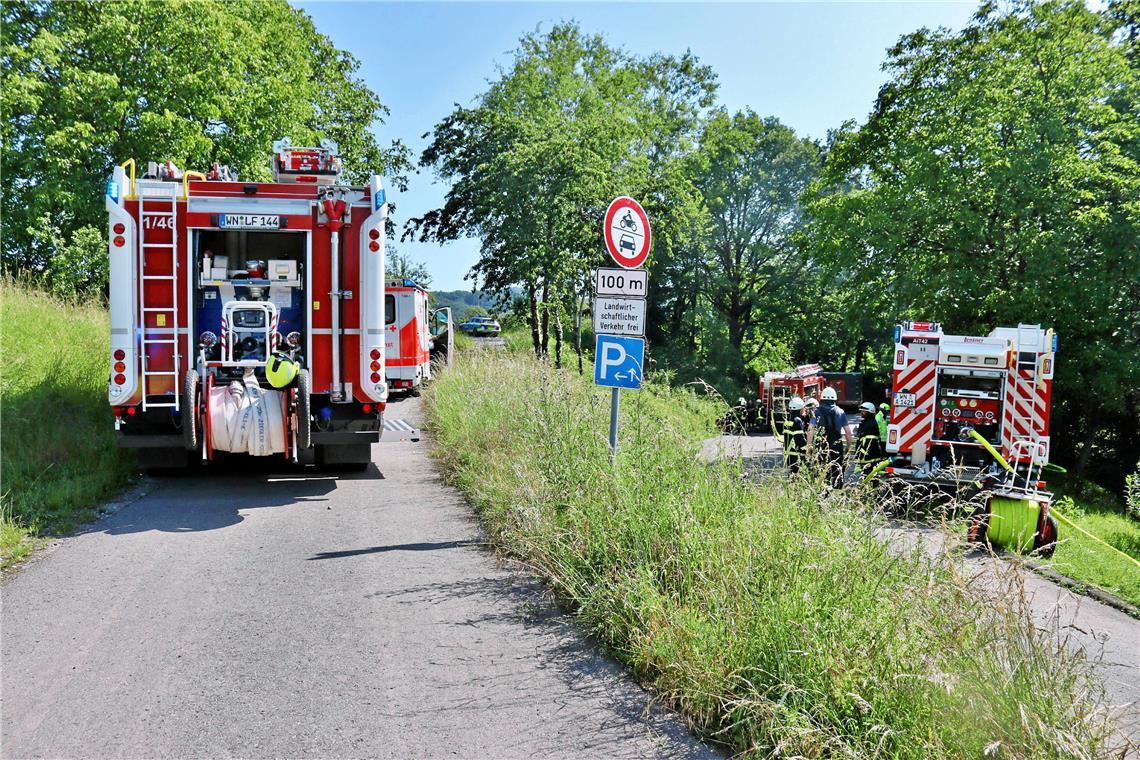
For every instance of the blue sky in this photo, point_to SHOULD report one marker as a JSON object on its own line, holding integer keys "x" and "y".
{"x": 812, "y": 65}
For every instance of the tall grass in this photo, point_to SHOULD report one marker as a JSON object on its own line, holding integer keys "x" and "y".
{"x": 778, "y": 625}
{"x": 58, "y": 456}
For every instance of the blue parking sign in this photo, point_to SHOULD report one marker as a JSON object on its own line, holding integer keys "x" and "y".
{"x": 618, "y": 361}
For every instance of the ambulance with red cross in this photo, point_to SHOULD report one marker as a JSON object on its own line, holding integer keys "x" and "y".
{"x": 411, "y": 332}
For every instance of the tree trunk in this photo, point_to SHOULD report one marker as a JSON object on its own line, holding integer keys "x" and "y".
{"x": 533, "y": 319}
{"x": 558, "y": 336}
{"x": 578, "y": 332}
{"x": 545, "y": 320}
{"x": 1087, "y": 445}
{"x": 860, "y": 354}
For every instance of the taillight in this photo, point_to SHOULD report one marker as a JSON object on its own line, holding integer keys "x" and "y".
{"x": 120, "y": 379}
{"x": 373, "y": 234}
{"x": 375, "y": 354}
{"x": 367, "y": 408}
{"x": 120, "y": 241}
{"x": 131, "y": 411}
{"x": 119, "y": 354}
{"x": 374, "y": 246}
{"x": 375, "y": 378}
{"x": 375, "y": 367}
{"x": 119, "y": 228}
{"x": 120, "y": 367}
{"x": 117, "y": 411}
{"x": 890, "y": 470}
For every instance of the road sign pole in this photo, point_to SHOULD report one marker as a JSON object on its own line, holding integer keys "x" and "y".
{"x": 614, "y": 401}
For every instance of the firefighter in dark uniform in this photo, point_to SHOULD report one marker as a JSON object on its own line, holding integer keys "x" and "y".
{"x": 828, "y": 435}
{"x": 795, "y": 435}
{"x": 869, "y": 441}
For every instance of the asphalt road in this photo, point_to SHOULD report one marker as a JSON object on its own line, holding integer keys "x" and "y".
{"x": 286, "y": 612}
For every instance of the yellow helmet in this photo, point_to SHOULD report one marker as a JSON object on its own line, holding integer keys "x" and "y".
{"x": 280, "y": 371}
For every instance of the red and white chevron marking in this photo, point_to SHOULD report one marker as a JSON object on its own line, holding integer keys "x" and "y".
{"x": 915, "y": 428}
{"x": 1026, "y": 412}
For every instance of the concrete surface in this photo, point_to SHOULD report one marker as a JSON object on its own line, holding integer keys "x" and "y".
{"x": 285, "y": 612}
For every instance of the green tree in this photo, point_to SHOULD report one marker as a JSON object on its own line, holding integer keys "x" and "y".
{"x": 751, "y": 173}
{"x": 88, "y": 85}
{"x": 570, "y": 125}
{"x": 399, "y": 267}
{"x": 996, "y": 182}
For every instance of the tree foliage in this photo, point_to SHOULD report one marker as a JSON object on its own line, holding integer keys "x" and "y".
{"x": 88, "y": 85}
{"x": 533, "y": 164}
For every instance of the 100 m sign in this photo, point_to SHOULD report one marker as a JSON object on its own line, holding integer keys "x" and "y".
{"x": 621, "y": 282}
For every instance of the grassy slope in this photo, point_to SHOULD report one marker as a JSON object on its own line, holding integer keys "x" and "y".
{"x": 1101, "y": 514}
{"x": 58, "y": 451}
{"x": 774, "y": 625}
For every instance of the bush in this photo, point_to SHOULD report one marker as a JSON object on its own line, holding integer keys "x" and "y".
{"x": 778, "y": 627}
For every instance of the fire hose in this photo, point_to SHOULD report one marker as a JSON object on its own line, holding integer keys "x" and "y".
{"x": 245, "y": 418}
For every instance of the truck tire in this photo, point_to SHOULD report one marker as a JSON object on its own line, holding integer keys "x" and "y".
{"x": 191, "y": 422}
{"x": 303, "y": 420}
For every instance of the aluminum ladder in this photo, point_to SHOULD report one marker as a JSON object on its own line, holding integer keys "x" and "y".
{"x": 165, "y": 195}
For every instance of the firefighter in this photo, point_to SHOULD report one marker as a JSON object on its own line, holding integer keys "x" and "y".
{"x": 831, "y": 420}
{"x": 795, "y": 435}
{"x": 881, "y": 419}
{"x": 869, "y": 443}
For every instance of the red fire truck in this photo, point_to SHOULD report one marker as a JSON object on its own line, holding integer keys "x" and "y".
{"x": 211, "y": 278}
{"x": 776, "y": 389}
{"x": 968, "y": 408}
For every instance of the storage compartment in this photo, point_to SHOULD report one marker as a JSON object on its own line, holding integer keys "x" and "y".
{"x": 277, "y": 258}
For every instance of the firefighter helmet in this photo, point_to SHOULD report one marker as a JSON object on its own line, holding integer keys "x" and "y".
{"x": 795, "y": 404}
{"x": 280, "y": 371}
{"x": 884, "y": 407}
{"x": 812, "y": 403}
{"x": 828, "y": 394}
{"x": 867, "y": 407}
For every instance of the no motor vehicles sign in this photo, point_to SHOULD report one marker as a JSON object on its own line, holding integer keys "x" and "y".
{"x": 627, "y": 233}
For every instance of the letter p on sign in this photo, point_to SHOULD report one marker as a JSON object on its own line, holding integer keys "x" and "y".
{"x": 618, "y": 361}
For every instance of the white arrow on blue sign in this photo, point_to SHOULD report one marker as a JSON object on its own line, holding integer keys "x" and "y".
{"x": 618, "y": 361}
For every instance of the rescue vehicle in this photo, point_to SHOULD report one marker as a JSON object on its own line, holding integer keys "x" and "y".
{"x": 215, "y": 282}
{"x": 967, "y": 410}
{"x": 413, "y": 335}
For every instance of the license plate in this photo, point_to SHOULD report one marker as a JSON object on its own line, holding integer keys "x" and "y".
{"x": 250, "y": 221}
{"x": 904, "y": 400}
